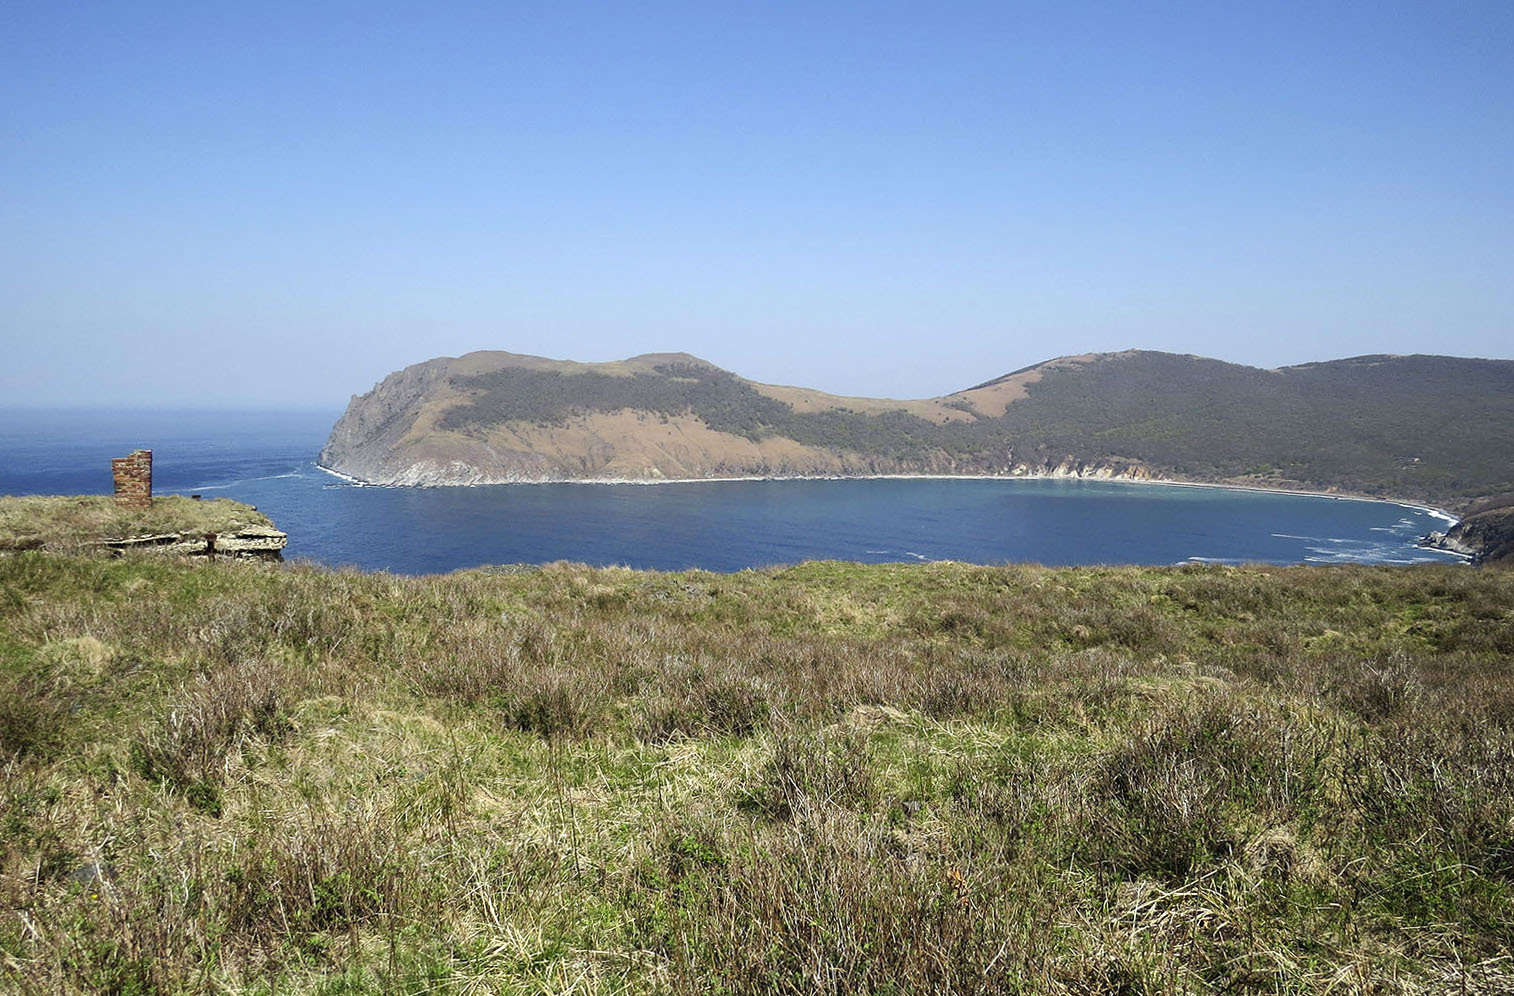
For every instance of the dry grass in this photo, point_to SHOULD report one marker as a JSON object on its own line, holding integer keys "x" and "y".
{"x": 828, "y": 778}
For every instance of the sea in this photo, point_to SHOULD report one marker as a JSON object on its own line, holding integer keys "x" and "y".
{"x": 268, "y": 459}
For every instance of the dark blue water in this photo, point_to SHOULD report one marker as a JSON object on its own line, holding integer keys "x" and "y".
{"x": 267, "y": 459}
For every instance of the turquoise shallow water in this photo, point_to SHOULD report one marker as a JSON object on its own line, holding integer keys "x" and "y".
{"x": 267, "y": 459}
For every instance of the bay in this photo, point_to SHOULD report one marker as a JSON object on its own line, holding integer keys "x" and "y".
{"x": 267, "y": 459}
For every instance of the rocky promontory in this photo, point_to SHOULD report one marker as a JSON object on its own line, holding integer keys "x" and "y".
{"x": 172, "y": 524}
{"x": 501, "y": 418}
{"x": 1486, "y": 536}
{"x": 1431, "y": 429}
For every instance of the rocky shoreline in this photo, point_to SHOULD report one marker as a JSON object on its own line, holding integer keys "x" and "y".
{"x": 427, "y": 474}
{"x": 1484, "y": 537}
{"x": 1068, "y": 470}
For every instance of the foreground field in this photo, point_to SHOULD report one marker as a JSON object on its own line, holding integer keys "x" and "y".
{"x": 828, "y": 778}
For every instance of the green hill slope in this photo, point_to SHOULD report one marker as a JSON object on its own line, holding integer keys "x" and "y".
{"x": 1436, "y": 427}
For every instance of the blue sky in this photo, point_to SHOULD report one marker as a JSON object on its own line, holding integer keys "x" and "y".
{"x": 277, "y": 204}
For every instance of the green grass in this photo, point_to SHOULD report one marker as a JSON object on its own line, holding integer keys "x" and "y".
{"x": 831, "y": 777}
{"x": 71, "y": 523}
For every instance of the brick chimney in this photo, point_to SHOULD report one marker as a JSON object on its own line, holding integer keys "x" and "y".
{"x": 133, "y": 479}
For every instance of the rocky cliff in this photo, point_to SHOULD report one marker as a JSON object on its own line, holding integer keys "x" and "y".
{"x": 1487, "y": 536}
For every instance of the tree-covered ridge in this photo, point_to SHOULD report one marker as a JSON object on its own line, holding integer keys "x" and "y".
{"x": 1415, "y": 425}
{"x": 1423, "y": 426}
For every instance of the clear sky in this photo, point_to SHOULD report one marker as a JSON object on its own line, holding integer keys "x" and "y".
{"x": 279, "y": 203}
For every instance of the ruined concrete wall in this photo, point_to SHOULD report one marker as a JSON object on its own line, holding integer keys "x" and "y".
{"x": 133, "y": 476}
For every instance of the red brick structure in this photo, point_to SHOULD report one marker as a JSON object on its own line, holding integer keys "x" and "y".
{"x": 133, "y": 479}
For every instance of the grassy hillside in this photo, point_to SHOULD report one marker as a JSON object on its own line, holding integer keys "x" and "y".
{"x": 1439, "y": 429}
{"x": 834, "y": 778}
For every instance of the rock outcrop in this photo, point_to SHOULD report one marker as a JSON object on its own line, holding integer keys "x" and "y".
{"x": 1487, "y": 537}
{"x": 248, "y": 543}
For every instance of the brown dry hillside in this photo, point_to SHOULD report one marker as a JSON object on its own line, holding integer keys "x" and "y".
{"x": 1433, "y": 428}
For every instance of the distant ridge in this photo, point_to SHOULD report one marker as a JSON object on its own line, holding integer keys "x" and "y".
{"x": 1436, "y": 429}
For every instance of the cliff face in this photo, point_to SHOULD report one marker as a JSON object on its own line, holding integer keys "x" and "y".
{"x": 367, "y": 442}
{"x": 1487, "y": 537}
{"x": 1435, "y": 429}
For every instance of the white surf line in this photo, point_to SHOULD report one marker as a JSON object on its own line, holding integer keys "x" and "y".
{"x": 1431, "y": 510}
{"x": 349, "y": 480}
{"x": 245, "y": 480}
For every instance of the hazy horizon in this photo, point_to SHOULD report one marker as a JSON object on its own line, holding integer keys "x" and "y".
{"x": 336, "y": 406}
{"x": 273, "y": 208}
